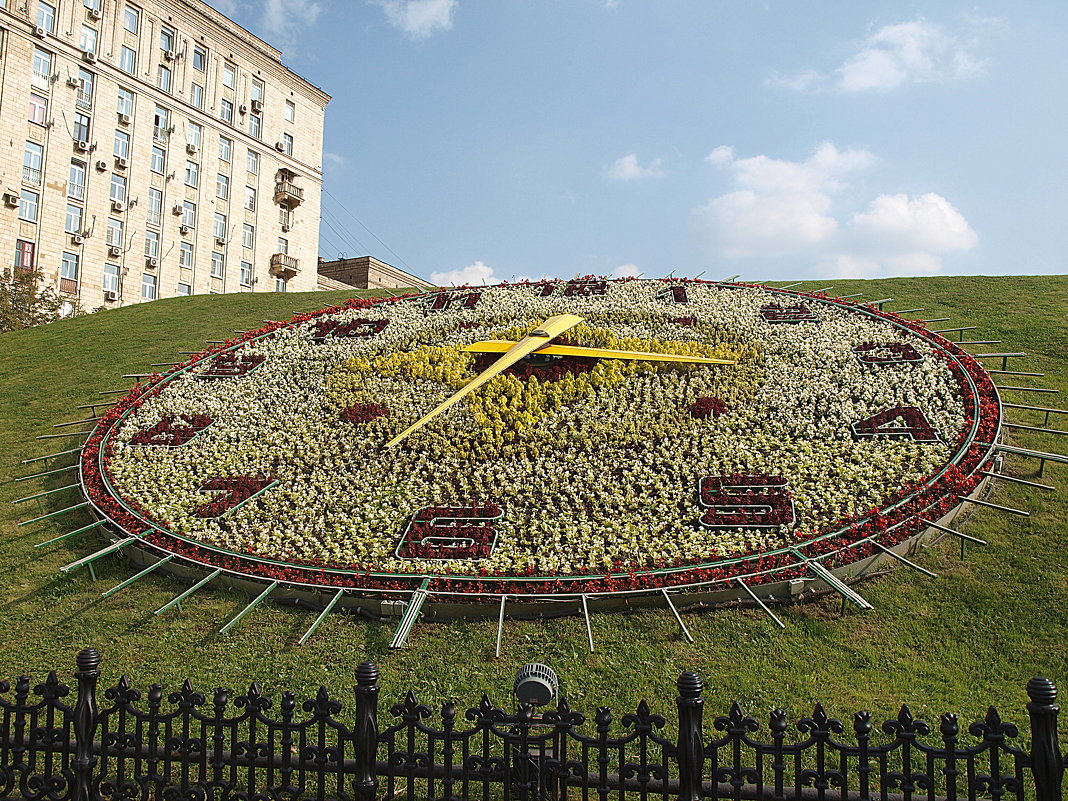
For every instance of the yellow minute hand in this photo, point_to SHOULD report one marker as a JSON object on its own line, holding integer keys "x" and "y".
{"x": 535, "y": 340}
{"x": 502, "y": 346}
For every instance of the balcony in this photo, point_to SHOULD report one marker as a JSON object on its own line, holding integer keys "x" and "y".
{"x": 84, "y": 99}
{"x": 68, "y": 286}
{"x": 41, "y": 80}
{"x": 160, "y": 135}
{"x": 284, "y": 266}
{"x": 287, "y": 193}
{"x": 31, "y": 175}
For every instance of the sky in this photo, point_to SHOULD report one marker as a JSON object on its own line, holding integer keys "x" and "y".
{"x": 473, "y": 141}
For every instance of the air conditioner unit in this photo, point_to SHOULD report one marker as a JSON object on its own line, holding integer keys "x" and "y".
{"x": 124, "y": 119}
{"x": 111, "y": 295}
{"x": 114, "y": 250}
{"x": 81, "y": 145}
{"x": 151, "y": 262}
{"x": 73, "y": 82}
{"x": 118, "y": 205}
{"x": 77, "y": 239}
{"x": 120, "y": 162}
{"x": 40, "y": 32}
{"x": 242, "y": 109}
{"x": 11, "y": 200}
{"x": 220, "y": 241}
{"x": 168, "y": 55}
{"x": 183, "y": 229}
{"x": 286, "y": 227}
{"x": 95, "y": 13}
{"x": 177, "y": 210}
{"x": 280, "y": 147}
{"x": 101, "y": 165}
{"x": 88, "y": 57}
{"x": 257, "y": 106}
{"x": 191, "y": 149}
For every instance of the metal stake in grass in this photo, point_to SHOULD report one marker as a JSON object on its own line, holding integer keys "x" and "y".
{"x": 49, "y": 472}
{"x": 54, "y": 514}
{"x": 87, "y": 561}
{"x": 69, "y": 534}
{"x": 904, "y": 561}
{"x": 321, "y": 618}
{"x": 760, "y": 603}
{"x": 177, "y": 601}
{"x": 132, "y": 579}
{"x": 500, "y": 623}
{"x": 50, "y": 456}
{"x": 240, "y": 615}
{"x": 411, "y": 615}
{"x": 589, "y": 628}
{"x": 675, "y": 612}
{"x": 832, "y": 581}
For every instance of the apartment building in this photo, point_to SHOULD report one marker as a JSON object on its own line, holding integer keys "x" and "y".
{"x": 154, "y": 149}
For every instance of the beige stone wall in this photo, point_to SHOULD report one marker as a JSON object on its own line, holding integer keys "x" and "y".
{"x": 367, "y": 272}
{"x": 195, "y": 25}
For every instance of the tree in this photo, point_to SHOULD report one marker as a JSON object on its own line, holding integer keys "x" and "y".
{"x": 22, "y": 305}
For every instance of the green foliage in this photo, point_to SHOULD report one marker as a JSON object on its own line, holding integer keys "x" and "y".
{"x": 22, "y": 304}
{"x": 969, "y": 638}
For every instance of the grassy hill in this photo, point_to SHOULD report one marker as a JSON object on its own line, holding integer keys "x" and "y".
{"x": 971, "y": 637}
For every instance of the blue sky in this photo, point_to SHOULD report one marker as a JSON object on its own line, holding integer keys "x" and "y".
{"x": 472, "y": 140}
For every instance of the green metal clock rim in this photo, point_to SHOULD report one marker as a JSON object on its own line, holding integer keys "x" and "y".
{"x": 413, "y": 577}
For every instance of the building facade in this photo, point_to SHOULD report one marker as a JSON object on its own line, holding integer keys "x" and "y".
{"x": 154, "y": 149}
{"x": 367, "y": 272}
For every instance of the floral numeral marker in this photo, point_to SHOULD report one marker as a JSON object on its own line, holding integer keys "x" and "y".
{"x": 882, "y": 354}
{"x": 745, "y": 501}
{"x": 583, "y": 287}
{"x": 450, "y": 532}
{"x": 774, "y": 313}
{"x": 172, "y": 431}
{"x": 233, "y": 491}
{"x": 673, "y": 294}
{"x": 899, "y": 422}
{"x": 452, "y": 300}
{"x": 352, "y": 329}
{"x": 232, "y": 365}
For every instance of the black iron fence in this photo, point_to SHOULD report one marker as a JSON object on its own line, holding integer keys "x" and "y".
{"x": 126, "y": 744}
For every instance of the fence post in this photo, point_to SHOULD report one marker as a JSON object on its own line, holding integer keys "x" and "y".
{"x": 366, "y": 731}
{"x": 1046, "y": 765}
{"x": 690, "y": 752}
{"x": 87, "y": 674}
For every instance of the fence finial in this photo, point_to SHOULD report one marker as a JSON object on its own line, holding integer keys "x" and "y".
{"x": 1046, "y": 764}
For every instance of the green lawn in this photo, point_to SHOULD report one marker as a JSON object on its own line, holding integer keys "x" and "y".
{"x": 960, "y": 642}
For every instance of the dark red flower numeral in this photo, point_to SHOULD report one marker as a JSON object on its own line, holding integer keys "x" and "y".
{"x": 450, "y": 532}
{"x": 881, "y": 354}
{"x": 673, "y": 294}
{"x": 232, "y": 491}
{"x": 774, "y": 313}
{"x": 580, "y": 288}
{"x": 899, "y": 422}
{"x": 232, "y": 365}
{"x": 443, "y": 301}
{"x": 172, "y": 430}
{"x": 745, "y": 501}
{"x": 352, "y": 329}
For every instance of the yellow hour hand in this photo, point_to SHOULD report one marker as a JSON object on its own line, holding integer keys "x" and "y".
{"x": 503, "y": 345}
{"x": 534, "y": 341}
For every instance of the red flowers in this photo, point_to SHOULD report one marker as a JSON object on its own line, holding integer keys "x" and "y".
{"x": 235, "y": 491}
{"x": 172, "y": 430}
{"x": 708, "y": 407}
{"x": 363, "y": 412}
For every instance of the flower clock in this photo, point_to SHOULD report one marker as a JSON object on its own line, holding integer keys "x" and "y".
{"x": 556, "y": 441}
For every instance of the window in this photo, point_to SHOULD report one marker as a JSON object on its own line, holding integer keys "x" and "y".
{"x": 283, "y": 245}
{"x": 128, "y": 60}
{"x": 38, "y": 109}
{"x": 28, "y": 203}
{"x": 229, "y": 75}
{"x": 72, "y": 223}
{"x": 225, "y": 149}
{"x": 84, "y": 97}
{"x": 218, "y": 265}
{"x": 222, "y": 186}
{"x": 200, "y": 59}
{"x": 185, "y": 255}
{"x": 152, "y": 244}
{"x": 184, "y": 288}
{"x": 114, "y": 234}
{"x": 131, "y": 19}
{"x": 158, "y": 161}
{"x": 81, "y": 127}
{"x": 32, "y": 161}
{"x": 291, "y": 111}
{"x": 155, "y": 206}
{"x": 93, "y": 5}
{"x": 111, "y": 278}
{"x": 76, "y": 181}
{"x": 218, "y": 227}
{"x": 250, "y": 198}
{"x": 253, "y": 163}
{"x": 125, "y": 103}
{"x": 256, "y": 93}
{"x": 148, "y": 286}
{"x": 226, "y": 110}
{"x": 196, "y": 95}
{"x": 248, "y": 236}
{"x": 246, "y": 273}
{"x": 163, "y": 78}
{"x": 255, "y": 125}
{"x": 24, "y": 255}
{"x": 287, "y": 144}
{"x": 46, "y": 16}
{"x": 189, "y": 213}
{"x": 284, "y": 218}
{"x": 193, "y": 134}
{"x": 279, "y": 285}
{"x": 166, "y": 39}
{"x": 118, "y": 188}
{"x": 88, "y": 39}
{"x": 122, "y": 145}
{"x": 42, "y": 68}
{"x": 68, "y": 272}
{"x": 192, "y": 173}
{"x": 161, "y": 124}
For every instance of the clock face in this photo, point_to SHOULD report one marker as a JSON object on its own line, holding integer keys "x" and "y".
{"x": 808, "y": 419}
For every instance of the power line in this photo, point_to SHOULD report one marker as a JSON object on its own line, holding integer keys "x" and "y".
{"x": 343, "y": 234}
{"x": 368, "y": 230}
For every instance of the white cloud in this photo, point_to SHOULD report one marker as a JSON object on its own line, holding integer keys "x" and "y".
{"x": 475, "y": 274}
{"x": 626, "y": 271}
{"x": 913, "y": 52}
{"x": 419, "y": 19}
{"x": 793, "y": 210}
{"x": 627, "y": 168}
{"x": 283, "y": 20}
{"x": 336, "y": 159}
